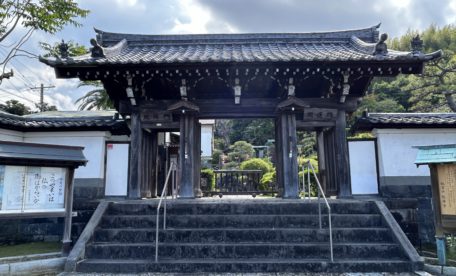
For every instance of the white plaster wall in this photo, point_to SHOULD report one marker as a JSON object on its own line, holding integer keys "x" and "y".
{"x": 11, "y": 135}
{"x": 206, "y": 140}
{"x": 396, "y": 153}
{"x": 92, "y": 141}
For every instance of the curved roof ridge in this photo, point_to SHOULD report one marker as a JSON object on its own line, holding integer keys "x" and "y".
{"x": 105, "y": 38}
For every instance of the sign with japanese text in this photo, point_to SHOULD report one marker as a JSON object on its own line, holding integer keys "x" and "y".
{"x": 24, "y": 188}
{"x": 447, "y": 188}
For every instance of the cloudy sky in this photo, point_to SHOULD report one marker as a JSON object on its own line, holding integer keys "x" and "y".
{"x": 215, "y": 16}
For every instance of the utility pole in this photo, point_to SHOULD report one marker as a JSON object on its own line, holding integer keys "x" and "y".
{"x": 41, "y": 88}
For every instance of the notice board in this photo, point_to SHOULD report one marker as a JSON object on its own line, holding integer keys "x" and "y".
{"x": 447, "y": 188}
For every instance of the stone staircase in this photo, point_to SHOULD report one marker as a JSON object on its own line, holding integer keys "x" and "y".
{"x": 247, "y": 236}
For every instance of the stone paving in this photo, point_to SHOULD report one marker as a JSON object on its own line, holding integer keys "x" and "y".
{"x": 253, "y": 274}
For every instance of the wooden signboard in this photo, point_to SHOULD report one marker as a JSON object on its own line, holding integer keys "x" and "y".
{"x": 447, "y": 188}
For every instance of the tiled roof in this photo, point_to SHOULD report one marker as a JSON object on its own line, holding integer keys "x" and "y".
{"x": 405, "y": 120}
{"x": 64, "y": 120}
{"x": 354, "y": 45}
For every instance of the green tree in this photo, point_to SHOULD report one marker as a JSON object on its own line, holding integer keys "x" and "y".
{"x": 240, "y": 151}
{"x": 257, "y": 164}
{"x": 22, "y": 17}
{"x": 15, "y": 107}
{"x": 46, "y": 107}
{"x": 97, "y": 98}
{"x": 434, "y": 90}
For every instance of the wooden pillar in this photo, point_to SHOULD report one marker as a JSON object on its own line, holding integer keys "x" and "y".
{"x": 288, "y": 153}
{"x": 66, "y": 240}
{"x": 321, "y": 160}
{"x": 187, "y": 155}
{"x": 136, "y": 137}
{"x": 278, "y": 158}
{"x": 148, "y": 152}
{"x": 153, "y": 152}
{"x": 197, "y": 167}
{"x": 341, "y": 149}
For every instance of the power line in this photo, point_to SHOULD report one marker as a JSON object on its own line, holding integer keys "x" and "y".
{"x": 10, "y": 93}
{"x": 41, "y": 88}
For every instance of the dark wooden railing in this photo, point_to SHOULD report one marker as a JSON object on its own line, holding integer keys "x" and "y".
{"x": 239, "y": 182}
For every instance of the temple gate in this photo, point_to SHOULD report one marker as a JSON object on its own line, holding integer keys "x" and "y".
{"x": 305, "y": 81}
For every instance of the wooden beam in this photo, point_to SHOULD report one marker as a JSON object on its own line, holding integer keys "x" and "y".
{"x": 249, "y": 107}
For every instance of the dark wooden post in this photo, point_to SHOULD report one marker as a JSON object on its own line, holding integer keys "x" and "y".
{"x": 343, "y": 165}
{"x": 187, "y": 155}
{"x": 288, "y": 154}
{"x": 153, "y": 163}
{"x": 277, "y": 157}
{"x": 331, "y": 164}
{"x": 136, "y": 137}
{"x": 148, "y": 152}
{"x": 197, "y": 167}
{"x": 321, "y": 159}
{"x": 66, "y": 240}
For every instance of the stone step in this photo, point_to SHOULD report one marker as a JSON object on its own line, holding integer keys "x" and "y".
{"x": 245, "y": 266}
{"x": 242, "y": 221}
{"x": 365, "y": 251}
{"x": 128, "y": 235}
{"x": 244, "y": 208}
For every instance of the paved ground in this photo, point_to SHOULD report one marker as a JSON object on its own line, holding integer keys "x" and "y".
{"x": 255, "y": 274}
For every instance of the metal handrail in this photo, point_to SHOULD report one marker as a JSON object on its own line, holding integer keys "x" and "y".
{"x": 321, "y": 193}
{"x": 163, "y": 196}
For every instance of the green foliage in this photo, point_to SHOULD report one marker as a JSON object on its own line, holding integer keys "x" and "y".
{"x": 45, "y": 107}
{"x": 15, "y": 107}
{"x": 302, "y": 161}
{"x": 74, "y": 49}
{"x": 254, "y": 131}
{"x": 216, "y": 155}
{"x": 97, "y": 98}
{"x": 307, "y": 142}
{"x": 362, "y": 135}
{"x": 267, "y": 180}
{"x": 46, "y": 15}
{"x": 432, "y": 91}
{"x": 208, "y": 174}
{"x": 240, "y": 151}
{"x": 313, "y": 182}
{"x": 257, "y": 164}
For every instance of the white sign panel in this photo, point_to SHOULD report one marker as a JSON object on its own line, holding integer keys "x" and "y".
{"x": 116, "y": 169}
{"x": 363, "y": 167}
{"x": 31, "y": 188}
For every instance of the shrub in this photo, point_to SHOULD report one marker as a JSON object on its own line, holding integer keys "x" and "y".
{"x": 303, "y": 161}
{"x": 208, "y": 174}
{"x": 267, "y": 180}
{"x": 257, "y": 164}
{"x": 313, "y": 182}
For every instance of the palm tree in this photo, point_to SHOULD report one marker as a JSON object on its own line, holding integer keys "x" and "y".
{"x": 94, "y": 99}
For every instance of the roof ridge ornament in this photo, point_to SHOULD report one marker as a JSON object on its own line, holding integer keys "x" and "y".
{"x": 63, "y": 49}
{"x": 380, "y": 47}
{"x": 417, "y": 45}
{"x": 96, "y": 51}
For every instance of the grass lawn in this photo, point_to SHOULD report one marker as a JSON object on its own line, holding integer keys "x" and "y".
{"x": 29, "y": 248}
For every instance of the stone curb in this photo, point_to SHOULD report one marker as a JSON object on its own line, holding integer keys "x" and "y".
{"x": 35, "y": 267}
{"x": 440, "y": 270}
{"x": 24, "y": 258}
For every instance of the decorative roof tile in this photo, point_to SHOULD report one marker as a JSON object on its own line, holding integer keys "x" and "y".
{"x": 354, "y": 45}
{"x": 65, "y": 120}
{"x": 370, "y": 121}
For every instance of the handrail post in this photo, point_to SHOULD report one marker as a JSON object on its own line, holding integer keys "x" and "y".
{"x": 162, "y": 197}
{"x": 308, "y": 180}
{"x": 303, "y": 181}
{"x": 321, "y": 193}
